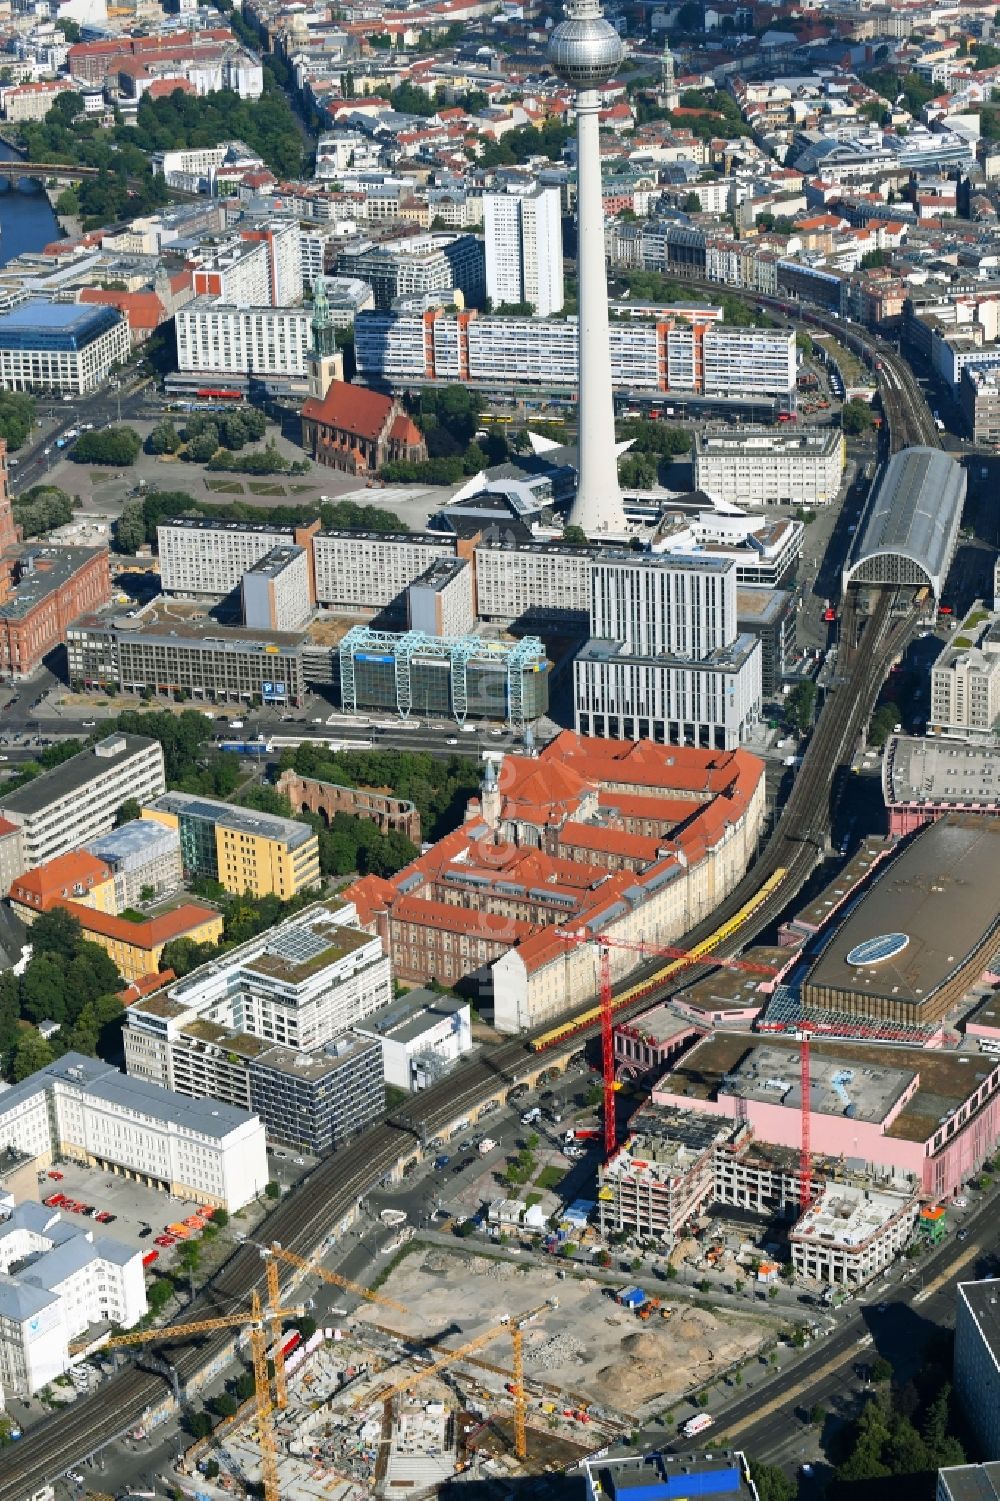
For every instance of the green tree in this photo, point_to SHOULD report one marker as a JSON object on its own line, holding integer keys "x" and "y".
{"x": 164, "y": 437}
{"x": 692, "y": 203}
{"x": 130, "y": 528}
{"x": 575, "y": 536}
{"x": 199, "y": 1424}
{"x": 57, "y": 932}
{"x": 204, "y": 445}
{"x": 129, "y": 810}
{"x": 772, "y": 1483}
{"x": 883, "y": 723}
{"x": 183, "y": 955}
{"x": 224, "y": 1405}
{"x": 17, "y": 418}
{"x": 800, "y": 705}
{"x": 856, "y": 417}
{"x": 306, "y": 1326}
{"x": 881, "y": 1369}
{"x": 272, "y": 1190}
{"x": 31, "y": 1052}
{"x": 113, "y": 445}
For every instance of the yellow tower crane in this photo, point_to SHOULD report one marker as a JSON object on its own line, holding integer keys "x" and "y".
{"x": 515, "y": 1328}
{"x": 258, "y": 1345}
{"x": 272, "y": 1255}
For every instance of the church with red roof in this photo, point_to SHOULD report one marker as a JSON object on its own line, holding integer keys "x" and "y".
{"x": 359, "y": 431}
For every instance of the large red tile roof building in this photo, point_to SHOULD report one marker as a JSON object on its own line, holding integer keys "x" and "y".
{"x": 639, "y": 840}
{"x": 358, "y": 430}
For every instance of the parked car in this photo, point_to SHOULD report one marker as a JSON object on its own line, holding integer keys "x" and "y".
{"x": 165, "y": 1240}
{"x": 54, "y": 1201}
{"x": 146, "y": 1230}
{"x": 440, "y": 1163}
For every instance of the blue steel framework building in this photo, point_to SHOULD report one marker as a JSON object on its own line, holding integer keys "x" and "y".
{"x": 405, "y": 672}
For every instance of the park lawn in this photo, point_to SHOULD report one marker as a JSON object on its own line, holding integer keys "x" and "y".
{"x": 225, "y": 486}
{"x": 263, "y": 487}
{"x": 550, "y": 1177}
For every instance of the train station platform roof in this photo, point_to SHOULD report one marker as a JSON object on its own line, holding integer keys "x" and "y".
{"x": 912, "y": 521}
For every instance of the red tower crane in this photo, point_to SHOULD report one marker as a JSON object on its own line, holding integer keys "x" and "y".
{"x": 805, "y": 1149}
{"x": 605, "y": 944}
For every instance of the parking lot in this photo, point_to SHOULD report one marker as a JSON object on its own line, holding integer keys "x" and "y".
{"x": 134, "y": 1207}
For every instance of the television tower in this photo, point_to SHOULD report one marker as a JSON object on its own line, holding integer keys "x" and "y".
{"x": 586, "y": 50}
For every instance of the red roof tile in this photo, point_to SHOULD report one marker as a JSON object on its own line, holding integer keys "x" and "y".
{"x": 353, "y": 409}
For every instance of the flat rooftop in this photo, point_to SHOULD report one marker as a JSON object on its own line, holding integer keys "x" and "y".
{"x": 983, "y": 1301}
{"x": 862, "y": 862}
{"x": 931, "y": 908}
{"x": 972, "y": 1482}
{"x": 668, "y": 1477}
{"x": 274, "y": 563}
{"x": 941, "y": 773}
{"x": 43, "y": 569}
{"x": 312, "y": 1067}
{"x": 663, "y": 1137}
{"x": 230, "y": 816}
{"x": 772, "y": 1075}
{"x": 74, "y": 775}
{"x": 805, "y": 442}
{"x": 763, "y": 606}
{"x": 169, "y": 622}
{"x": 946, "y": 1079}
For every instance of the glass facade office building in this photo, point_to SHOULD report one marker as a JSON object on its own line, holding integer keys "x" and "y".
{"x": 64, "y": 347}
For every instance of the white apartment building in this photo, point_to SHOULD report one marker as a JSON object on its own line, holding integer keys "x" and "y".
{"x": 422, "y": 1034}
{"x": 237, "y": 272}
{"x": 711, "y": 703}
{"x": 762, "y": 467}
{"x": 60, "y": 346}
{"x": 32, "y": 101}
{"x": 277, "y": 591}
{"x": 201, "y": 556}
{"x": 406, "y": 347}
{"x": 86, "y": 1110}
{"x": 220, "y": 338}
{"x": 64, "y": 808}
{"x": 515, "y": 581}
{"x": 524, "y": 260}
{"x": 284, "y": 260}
{"x": 301, "y": 985}
{"x": 851, "y": 1234}
{"x": 66, "y": 1280}
{"x": 965, "y": 679}
{"x": 370, "y": 570}
{"x": 656, "y": 605}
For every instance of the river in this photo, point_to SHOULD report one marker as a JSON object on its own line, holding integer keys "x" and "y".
{"x": 26, "y": 218}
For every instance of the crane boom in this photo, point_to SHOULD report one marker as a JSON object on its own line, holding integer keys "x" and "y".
{"x": 196, "y": 1326}
{"x": 338, "y": 1281}
{"x": 262, "y": 1387}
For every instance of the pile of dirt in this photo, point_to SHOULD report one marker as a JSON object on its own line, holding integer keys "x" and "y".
{"x": 642, "y": 1346}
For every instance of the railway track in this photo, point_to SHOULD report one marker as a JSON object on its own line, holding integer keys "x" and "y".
{"x": 306, "y": 1218}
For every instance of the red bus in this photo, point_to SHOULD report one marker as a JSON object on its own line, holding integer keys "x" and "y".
{"x": 212, "y": 393}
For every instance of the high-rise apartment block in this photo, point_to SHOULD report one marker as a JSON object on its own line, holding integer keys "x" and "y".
{"x": 524, "y": 247}
{"x": 204, "y": 556}
{"x": 965, "y": 679}
{"x": 977, "y": 1362}
{"x": 414, "y": 266}
{"x": 70, "y": 805}
{"x": 217, "y": 337}
{"x": 665, "y": 661}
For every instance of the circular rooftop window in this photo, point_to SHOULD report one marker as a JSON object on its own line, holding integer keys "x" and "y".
{"x": 878, "y": 950}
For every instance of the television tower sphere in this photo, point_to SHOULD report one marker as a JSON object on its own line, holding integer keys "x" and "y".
{"x": 585, "y": 49}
